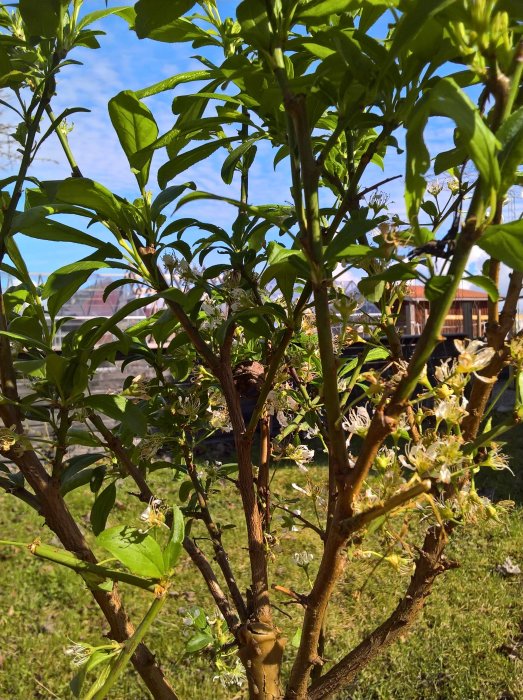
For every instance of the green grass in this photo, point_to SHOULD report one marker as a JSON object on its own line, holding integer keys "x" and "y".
{"x": 458, "y": 649}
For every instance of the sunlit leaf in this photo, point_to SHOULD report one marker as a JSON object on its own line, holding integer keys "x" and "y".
{"x": 136, "y": 129}
{"x": 137, "y": 550}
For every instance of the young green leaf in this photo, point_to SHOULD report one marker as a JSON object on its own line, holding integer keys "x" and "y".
{"x": 88, "y": 193}
{"x": 174, "y": 546}
{"x": 447, "y": 99}
{"x": 62, "y": 284}
{"x": 185, "y": 160}
{"x": 167, "y": 196}
{"x": 102, "y": 506}
{"x": 510, "y": 135}
{"x": 485, "y": 283}
{"x": 234, "y": 157}
{"x": 504, "y": 242}
{"x": 437, "y": 286}
{"x": 157, "y": 19}
{"x": 136, "y": 129}
{"x": 137, "y": 550}
{"x": 41, "y": 17}
{"x": 197, "y": 642}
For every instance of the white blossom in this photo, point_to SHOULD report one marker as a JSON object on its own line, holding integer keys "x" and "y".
{"x": 300, "y": 454}
{"x": 357, "y": 422}
{"x": 303, "y": 559}
{"x": 474, "y": 355}
{"x": 451, "y": 409}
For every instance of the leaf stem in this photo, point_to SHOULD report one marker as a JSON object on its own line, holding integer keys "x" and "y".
{"x": 129, "y": 646}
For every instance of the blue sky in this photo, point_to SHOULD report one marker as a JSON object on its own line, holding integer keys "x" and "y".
{"x": 123, "y": 63}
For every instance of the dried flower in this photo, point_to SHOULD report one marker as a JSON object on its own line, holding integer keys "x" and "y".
{"x": 516, "y": 349}
{"x": 81, "y": 652}
{"x": 187, "y": 406}
{"x": 10, "y": 439}
{"x": 220, "y": 419}
{"x": 495, "y": 459}
{"x": 153, "y": 515}
{"x": 149, "y": 446}
{"x": 306, "y": 492}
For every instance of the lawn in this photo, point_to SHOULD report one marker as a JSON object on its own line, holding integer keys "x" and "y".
{"x": 466, "y": 646}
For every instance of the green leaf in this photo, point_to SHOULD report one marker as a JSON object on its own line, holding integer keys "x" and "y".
{"x": 137, "y": 550}
{"x": 447, "y": 99}
{"x": 429, "y": 207}
{"x": 41, "y": 17}
{"x": 26, "y": 340}
{"x": 62, "y": 284}
{"x": 102, "y": 506}
{"x": 88, "y": 193}
{"x": 174, "y": 546}
{"x": 438, "y": 286}
{"x": 18, "y": 261}
{"x": 119, "y": 408}
{"x": 136, "y": 129}
{"x": 353, "y": 250}
{"x": 92, "y": 17}
{"x": 31, "y": 368}
{"x": 275, "y": 213}
{"x": 412, "y": 21}
{"x": 97, "y": 479}
{"x": 485, "y": 283}
{"x": 234, "y": 157}
{"x": 110, "y": 324}
{"x": 171, "y": 83}
{"x": 75, "y": 436}
{"x": 510, "y": 135}
{"x": 197, "y": 642}
{"x": 55, "y": 367}
{"x": 446, "y": 160}
{"x": 371, "y": 288}
{"x": 77, "y": 682}
{"x": 157, "y": 19}
{"x": 315, "y": 10}
{"x": 398, "y": 272}
{"x": 167, "y": 196}
{"x": 504, "y": 242}
{"x": 185, "y": 160}
{"x": 33, "y": 223}
{"x": 296, "y": 639}
{"x": 252, "y": 16}
{"x": 112, "y": 405}
{"x": 79, "y": 471}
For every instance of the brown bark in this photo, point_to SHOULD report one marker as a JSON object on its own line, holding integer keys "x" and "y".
{"x": 261, "y": 652}
{"x": 430, "y": 562}
{"x": 429, "y": 565}
{"x": 60, "y": 521}
{"x": 264, "y": 493}
{"x": 259, "y": 606}
{"x": 216, "y": 537}
{"x": 497, "y": 333}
